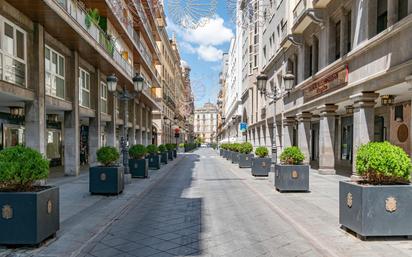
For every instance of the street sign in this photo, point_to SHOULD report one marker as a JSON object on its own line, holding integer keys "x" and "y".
{"x": 243, "y": 127}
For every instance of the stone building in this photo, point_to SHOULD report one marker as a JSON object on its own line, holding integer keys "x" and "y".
{"x": 55, "y": 59}
{"x": 205, "y": 122}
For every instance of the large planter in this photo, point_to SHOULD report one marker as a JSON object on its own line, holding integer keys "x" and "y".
{"x": 28, "y": 218}
{"x": 154, "y": 161}
{"x": 229, "y": 155}
{"x": 235, "y": 157}
{"x": 224, "y": 154}
{"x": 175, "y": 153}
{"x": 375, "y": 210}
{"x": 221, "y": 152}
{"x": 139, "y": 168}
{"x": 261, "y": 167}
{"x": 291, "y": 177}
{"x": 106, "y": 180}
{"x": 164, "y": 157}
{"x": 170, "y": 155}
{"x": 245, "y": 160}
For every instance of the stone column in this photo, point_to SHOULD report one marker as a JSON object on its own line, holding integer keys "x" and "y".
{"x": 95, "y": 122}
{"x": 362, "y": 21}
{"x": 304, "y": 121}
{"x": 324, "y": 44}
{"x": 363, "y": 122}
{"x": 327, "y": 139}
{"x": 132, "y": 130}
{"x": 111, "y": 126}
{"x": 147, "y": 126}
{"x": 150, "y": 125}
{"x": 288, "y": 124}
{"x": 392, "y": 12}
{"x": 35, "y": 111}
{"x": 301, "y": 63}
{"x": 72, "y": 124}
{"x": 139, "y": 122}
{"x": 343, "y": 34}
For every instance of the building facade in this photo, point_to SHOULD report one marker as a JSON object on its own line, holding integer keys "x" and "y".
{"x": 352, "y": 70}
{"x": 55, "y": 59}
{"x": 205, "y": 122}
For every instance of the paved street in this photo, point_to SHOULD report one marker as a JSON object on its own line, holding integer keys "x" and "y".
{"x": 208, "y": 207}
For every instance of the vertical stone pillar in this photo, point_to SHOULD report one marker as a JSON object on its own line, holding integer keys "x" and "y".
{"x": 343, "y": 34}
{"x": 288, "y": 125}
{"x": 111, "y": 127}
{"x": 139, "y": 123}
{"x": 324, "y": 45}
{"x": 304, "y": 122}
{"x": 392, "y": 12}
{"x": 327, "y": 139}
{"x": 95, "y": 122}
{"x": 72, "y": 124}
{"x": 150, "y": 125}
{"x": 132, "y": 130}
{"x": 147, "y": 126}
{"x": 363, "y": 21}
{"x": 301, "y": 63}
{"x": 35, "y": 111}
{"x": 363, "y": 122}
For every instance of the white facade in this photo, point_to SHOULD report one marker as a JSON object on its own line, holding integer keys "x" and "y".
{"x": 205, "y": 122}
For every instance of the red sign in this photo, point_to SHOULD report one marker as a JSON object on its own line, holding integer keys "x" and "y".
{"x": 327, "y": 84}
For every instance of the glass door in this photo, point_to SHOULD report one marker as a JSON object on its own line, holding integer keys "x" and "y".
{"x": 13, "y": 135}
{"x": 347, "y": 138}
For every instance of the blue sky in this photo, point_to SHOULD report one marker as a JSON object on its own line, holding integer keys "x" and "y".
{"x": 202, "y": 49}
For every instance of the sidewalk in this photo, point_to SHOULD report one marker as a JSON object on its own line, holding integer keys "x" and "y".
{"x": 83, "y": 216}
{"x": 316, "y": 216}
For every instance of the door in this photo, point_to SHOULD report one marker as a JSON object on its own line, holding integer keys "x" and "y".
{"x": 315, "y": 142}
{"x": 347, "y": 138}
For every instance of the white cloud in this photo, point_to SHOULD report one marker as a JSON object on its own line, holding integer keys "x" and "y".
{"x": 209, "y": 53}
{"x": 213, "y": 32}
{"x": 187, "y": 47}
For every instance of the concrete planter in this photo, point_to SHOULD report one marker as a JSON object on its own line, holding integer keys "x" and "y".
{"x": 106, "y": 180}
{"x": 221, "y": 152}
{"x": 229, "y": 155}
{"x": 164, "y": 157}
{"x": 139, "y": 168}
{"x": 292, "y": 177}
{"x": 375, "y": 210}
{"x": 154, "y": 161}
{"x": 28, "y": 218}
{"x": 235, "y": 157}
{"x": 224, "y": 154}
{"x": 170, "y": 155}
{"x": 175, "y": 153}
{"x": 261, "y": 167}
{"x": 245, "y": 160}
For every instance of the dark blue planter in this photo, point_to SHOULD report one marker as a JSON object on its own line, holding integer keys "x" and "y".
{"x": 28, "y": 218}
{"x": 235, "y": 157}
{"x": 154, "y": 161}
{"x": 221, "y": 152}
{"x": 106, "y": 180}
{"x": 245, "y": 160}
{"x": 229, "y": 155}
{"x": 164, "y": 157}
{"x": 170, "y": 155}
{"x": 175, "y": 153}
{"x": 139, "y": 168}
{"x": 261, "y": 167}
{"x": 292, "y": 178}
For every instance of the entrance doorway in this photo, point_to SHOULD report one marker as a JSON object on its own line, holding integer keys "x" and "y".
{"x": 84, "y": 145}
{"x": 347, "y": 138}
{"x": 315, "y": 142}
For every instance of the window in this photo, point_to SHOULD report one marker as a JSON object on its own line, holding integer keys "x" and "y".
{"x": 84, "y": 88}
{"x": 337, "y": 40}
{"x": 103, "y": 88}
{"x": 347, "y": 138}
{"x": 349, "y": 32}
{"x": 382, "y": 15}
{"x": 402, "y": 9}
{"x": 54, "y": 67}
{"x": 12, "y": 53}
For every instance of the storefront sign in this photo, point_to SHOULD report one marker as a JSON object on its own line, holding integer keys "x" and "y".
{"x": 325, "y": 85}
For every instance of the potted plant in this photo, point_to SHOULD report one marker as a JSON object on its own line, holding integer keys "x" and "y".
{"x": 229, "y": 152}
{"x": 221, "y": 150}
{"x": 291, "y": 175}
{"x": 170, "y": 148}
{"x": 261, "y": 164}
{"x": 138, "y": 164}
{"x": 245, "y": 156}
{"x": 181, "y": 148}
{"x": 379, "y": 204}
{"x": 174, "y": 150}
{"x": 29, "y": 213}
{"x": 109, "y": 177}
{"x": 163, "y": 154}
{"x": 235, "y": 153}
{"x": 153, "y": 157}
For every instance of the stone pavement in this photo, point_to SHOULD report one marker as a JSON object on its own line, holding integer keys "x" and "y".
{"x": 84, "y": 216}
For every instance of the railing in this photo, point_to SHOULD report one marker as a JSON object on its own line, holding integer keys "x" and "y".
{"x": 299, "y": 9}
{"x": 79, "y": 14}
{"x": 139, "y": 7}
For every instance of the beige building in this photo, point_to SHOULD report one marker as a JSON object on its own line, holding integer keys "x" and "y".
{"x": 205, "y": 122}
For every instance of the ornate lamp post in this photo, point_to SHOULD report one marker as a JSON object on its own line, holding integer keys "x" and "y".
{"x": 275, "y": 95}
{"x": 125, "y": 96}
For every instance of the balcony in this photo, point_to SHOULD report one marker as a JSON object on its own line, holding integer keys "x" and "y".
{"x": 320, "y": 3}
{"x": 304, "y": 15}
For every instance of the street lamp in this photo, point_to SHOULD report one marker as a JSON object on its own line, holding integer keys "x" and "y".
{"x": 125, "y": 96}
{"x": 275, "y": 95}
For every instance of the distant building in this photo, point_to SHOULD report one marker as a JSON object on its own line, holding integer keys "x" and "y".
{"x": 205, "y": 123}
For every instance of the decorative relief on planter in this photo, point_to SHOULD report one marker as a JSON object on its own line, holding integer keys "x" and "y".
{"x": 349, "y": 200}
{"x": 263, "y": 164}
{"x": 49, "y": 207}
{"x": 390, "y": 204}
{"x": 247, "y": 158}
{"x": 295, "y": 174}
{"x": 7, "y": 212}
{"x": 103, "y": 176}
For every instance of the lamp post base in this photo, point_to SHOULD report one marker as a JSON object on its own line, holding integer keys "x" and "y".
{"x": 128, "y": 178}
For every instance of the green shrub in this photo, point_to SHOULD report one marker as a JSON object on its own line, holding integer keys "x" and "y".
{"x": 170, "y": 147}
{"x": 20, "y": 167}
{"x": 214, "y": 145}
{"x": 292, "y": 155}
{"x": 107, "y": 155}
{"x": 246, "y": 148}
{"x": 182, "y": 145}
{"x": 236, "y": 147}
{"x": 152, "y": 149}
{"x": 162, "y": 148}
{"x": 137, "y": 152}
{"x": 261, "y": 152}
{"x": 383, "y": 163}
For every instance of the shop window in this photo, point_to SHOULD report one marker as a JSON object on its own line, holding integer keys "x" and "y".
{"x": 55, "y": 73}
{"x": 399, "y": 113}
{"x": 382, "y": 22}
{"x": 84, "y": 88}
{"x": 12, "y": 53}
{"x": 13, "y": 135}
{"x": 103, "y": 88}
{"x": 402, "y": 9}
